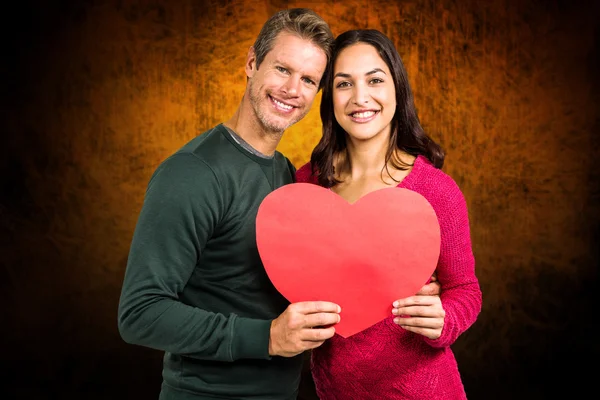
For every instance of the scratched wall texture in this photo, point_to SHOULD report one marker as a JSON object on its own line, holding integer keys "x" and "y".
{"x": 97, "y": 93}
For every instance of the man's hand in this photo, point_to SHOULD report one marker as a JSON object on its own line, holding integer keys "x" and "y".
{"x": 303, "y": 326}
{"x": 430, "y": 289}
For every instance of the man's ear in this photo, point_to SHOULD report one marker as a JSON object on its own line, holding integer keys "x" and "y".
{"x": 251, "y": 62}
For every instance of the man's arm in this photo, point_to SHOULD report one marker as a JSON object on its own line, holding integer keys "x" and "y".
{"x": 182, "y": 207}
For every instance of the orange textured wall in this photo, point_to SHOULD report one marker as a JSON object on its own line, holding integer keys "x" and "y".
{"x": 97, "y": 93}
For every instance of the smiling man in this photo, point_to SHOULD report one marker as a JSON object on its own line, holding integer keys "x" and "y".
{"x": 195, "y": 286}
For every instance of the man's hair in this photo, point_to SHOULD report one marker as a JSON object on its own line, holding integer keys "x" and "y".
{"x": 301, "y": 22}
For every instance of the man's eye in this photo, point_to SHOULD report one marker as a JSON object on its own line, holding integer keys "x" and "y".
{"x": 281, "y": 69}
{"x": 309, "y": 81}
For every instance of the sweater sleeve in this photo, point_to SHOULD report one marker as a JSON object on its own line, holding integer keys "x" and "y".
{"x": 460, "y": 291}
{"x": 182, "y": 206}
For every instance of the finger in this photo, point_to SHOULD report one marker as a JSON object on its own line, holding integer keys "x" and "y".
{"x": 312, "y": 345}
{"x": 430, "y": 289}
{"x": 418, "y": 322}
{"x": 429, "y": 333}
{"x": 433, "y": 311}
{"x": 317, "y": 335}
{"x": 320, "y": 319}
{"x": 416, "y": 301}
{"x": 310, "y": 307}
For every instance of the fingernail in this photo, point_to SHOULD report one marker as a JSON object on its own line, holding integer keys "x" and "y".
{"x": 394, "y": 311}
{"x": 396, "y": 320}
{"x": 395, "y": 304}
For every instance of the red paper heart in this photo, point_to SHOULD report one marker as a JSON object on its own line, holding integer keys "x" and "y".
{"x": 363, "y": 256}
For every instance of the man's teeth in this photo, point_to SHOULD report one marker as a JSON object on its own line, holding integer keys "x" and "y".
{"x": 366, "y": 114}
{"x": 284, "y": 106}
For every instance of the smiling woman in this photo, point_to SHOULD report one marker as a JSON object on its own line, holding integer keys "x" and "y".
{"x": 372, "y": 139}
{"x": 364, "y": 98}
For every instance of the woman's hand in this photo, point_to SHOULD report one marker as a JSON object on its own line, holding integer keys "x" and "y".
{"x": 420, "y": 314}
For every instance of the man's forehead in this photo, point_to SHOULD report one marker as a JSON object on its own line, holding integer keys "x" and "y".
{"x": 298, "y": 52}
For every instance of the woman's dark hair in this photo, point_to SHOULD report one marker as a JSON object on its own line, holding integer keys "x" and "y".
{"x": 406, "y": 131}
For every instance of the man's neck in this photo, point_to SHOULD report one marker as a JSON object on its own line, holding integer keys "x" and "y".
{"x": 244, "y": 144}
{"x": 245, "y": 123}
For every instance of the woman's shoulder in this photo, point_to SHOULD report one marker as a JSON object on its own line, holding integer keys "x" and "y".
{"x": 428, "y": 175}
{"x": 304, "y": 174}
{"x": 438, "y": 187}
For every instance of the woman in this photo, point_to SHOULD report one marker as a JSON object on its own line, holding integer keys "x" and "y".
{"x": 372, "y": 139}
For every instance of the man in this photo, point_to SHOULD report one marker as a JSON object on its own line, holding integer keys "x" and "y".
{"x": 194, "y": 286}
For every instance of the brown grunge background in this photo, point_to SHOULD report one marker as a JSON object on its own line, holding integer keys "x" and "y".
{"x": 97, "y": 93}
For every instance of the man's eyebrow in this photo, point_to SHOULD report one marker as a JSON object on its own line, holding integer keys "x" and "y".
{"x": 373, "y": 71}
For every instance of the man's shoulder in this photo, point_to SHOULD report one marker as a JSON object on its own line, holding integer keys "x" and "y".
{"x": 206, "y": 144}
{"x": 182, "y": 169}
{"x": 211, "y": 149}
{"x": 192, "y": 160}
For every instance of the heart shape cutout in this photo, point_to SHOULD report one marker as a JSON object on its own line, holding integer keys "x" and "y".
{"x": 363, "y": 256}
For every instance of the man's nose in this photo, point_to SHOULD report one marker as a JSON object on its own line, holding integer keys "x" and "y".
{"x": 292, "y": 86}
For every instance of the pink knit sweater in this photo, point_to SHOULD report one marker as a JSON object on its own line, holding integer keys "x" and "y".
{"x": 388, "y": 362}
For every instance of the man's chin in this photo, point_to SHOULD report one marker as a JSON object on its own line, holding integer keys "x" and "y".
{"x": 278, "y": 126}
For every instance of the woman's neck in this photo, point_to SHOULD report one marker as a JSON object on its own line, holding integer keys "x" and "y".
{"x": 364, "y": 158}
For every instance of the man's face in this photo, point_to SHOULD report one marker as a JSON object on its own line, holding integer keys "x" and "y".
{"x": 284, "y": 86}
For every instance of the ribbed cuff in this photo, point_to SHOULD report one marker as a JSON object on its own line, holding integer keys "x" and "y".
{"x": 251, "y": 339}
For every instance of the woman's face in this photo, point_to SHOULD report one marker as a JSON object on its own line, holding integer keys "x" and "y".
{"x": 364, "y": 97}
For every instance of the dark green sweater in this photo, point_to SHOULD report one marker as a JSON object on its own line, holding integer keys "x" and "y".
{"x": 194, "y": 285}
